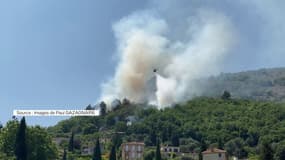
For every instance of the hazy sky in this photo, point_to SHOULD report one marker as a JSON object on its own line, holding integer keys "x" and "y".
{"x": 57, "y": 53}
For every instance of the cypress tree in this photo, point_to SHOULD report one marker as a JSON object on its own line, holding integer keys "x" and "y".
{"x": 64, "y": 155}
{"x": 71, "y": 143}
{"x": 158, "y": 154}
{"x": 113, "y": 153}
{"x": 97, "y": 151}
{"x": 1, "y": 126}
{"x": 21, "y": 144}
{"x": 202, "y": 148}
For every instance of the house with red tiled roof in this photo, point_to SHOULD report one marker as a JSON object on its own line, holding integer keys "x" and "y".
{"x": 214, "y": 154}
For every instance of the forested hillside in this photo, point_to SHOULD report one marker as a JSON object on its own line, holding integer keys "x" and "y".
{"x": 263, "y": 84}
{"x": 247, "y": 121}
{"x": 239, "y": 126}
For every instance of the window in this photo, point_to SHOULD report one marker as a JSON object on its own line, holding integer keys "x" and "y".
{"x": 220, "y": 155}
{"x": 127, "y": 148}
{"x": 133, "y": 148}
{"x": 133, "y": 154}
{"x": 139, "y": 148}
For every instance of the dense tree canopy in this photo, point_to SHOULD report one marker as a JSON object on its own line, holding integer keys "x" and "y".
{"x": 39, "y": 143}
{"x": 236, "y": 125}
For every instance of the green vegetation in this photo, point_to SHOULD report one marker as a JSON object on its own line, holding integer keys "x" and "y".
{"x": 113, "y": 153}
{"x": 97, "y": 151}
{"x": 64, "y": 155}
{"x": 245, "y": 128}
{"x": 226, "y": 95}
{"x": 157, "y": 153}
{"x": 239, "y": 126}
{"x": 32, "y": 143}
{"x": 266, "y": 152}
{"x": 71, "y": 143}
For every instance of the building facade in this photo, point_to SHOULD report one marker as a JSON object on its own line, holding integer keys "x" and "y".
{"x": 214, "y": 154}
{"x": 132, "y": 151}
{"x": 171, "y": 152}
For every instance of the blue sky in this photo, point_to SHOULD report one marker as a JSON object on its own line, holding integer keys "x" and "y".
{"x": 56, "y": 53}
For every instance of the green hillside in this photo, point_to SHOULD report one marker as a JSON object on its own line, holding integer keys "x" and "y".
{"x": 248, "y": 122}
{"x": 239, "y": 126}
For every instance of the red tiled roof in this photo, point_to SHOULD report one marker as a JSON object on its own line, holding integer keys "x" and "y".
{"x": 137, "y": 143}
{"x": 213, "y": 150}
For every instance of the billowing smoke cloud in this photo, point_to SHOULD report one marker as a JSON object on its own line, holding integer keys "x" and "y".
{"x": 143, "y": 46}
{"x": 189, "y": 40}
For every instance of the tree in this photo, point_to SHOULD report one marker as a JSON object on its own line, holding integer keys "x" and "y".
{"x": 266, "y": 152}
{"x": 89, "y": 107}
{"x": 220, "y": 144}
{"x": 153, "y": 137}
{"x": 116, "y": 140}
{"x": 236, "y": 147}
{"x": 149, "y": 155}
{"x": 97, "y": 151}
{"x": 226, "y": 95}
{"x": 113, "y": 153}
{"x": 103, "y": 108}
{"x": 175, "y": 139}
{"x": 126, "y": 101}
{"x": 64, "y": 155}
{"x": 157, "y": 154}
{"x": 8, "y": 138}
{"x": 280, "y": 151}
{"x": 71, "y": 143}
{"x": 203, "y": 147}
{"x": 21, "y": 144}
{"x": 40, "y": 144}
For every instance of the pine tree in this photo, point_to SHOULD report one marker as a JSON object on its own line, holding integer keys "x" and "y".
{"x": 113, "y": 153}
{"x": 158, "y": 154}
{"x": 71, "y": 143}
{"x": 97, "y": 151}
{"x": 64, "y": 155}
{"x": 21, "y": 144}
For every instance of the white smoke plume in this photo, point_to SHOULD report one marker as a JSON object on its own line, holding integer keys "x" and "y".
{"x": 144, "y": 44}
{"x": 187, "y": 40}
